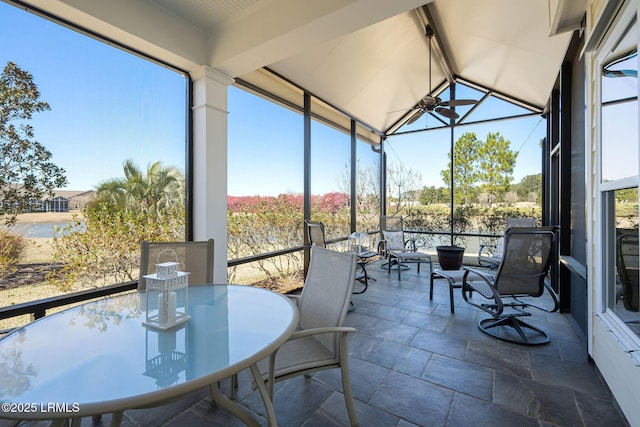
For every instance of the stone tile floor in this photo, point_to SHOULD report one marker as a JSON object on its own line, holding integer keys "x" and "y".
{"x": 414, "y": 363}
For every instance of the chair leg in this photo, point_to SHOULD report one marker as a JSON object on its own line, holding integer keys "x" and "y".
{"x": 346, "y": 381}
{"x": 364, "y": 280}
{"x": 348, "y": 395}
{"x": 431, "y": 286}
{"x": 451, "y": 303}
{"x": 351, "y": 306}
{"x": 234, "y": 386}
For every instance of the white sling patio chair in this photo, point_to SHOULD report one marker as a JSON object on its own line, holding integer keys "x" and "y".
{"x": 321, "y": 342}
{"x": 194, "y": 257}
{"x": 398, "y": 250}
{"x": 316, "y": 234}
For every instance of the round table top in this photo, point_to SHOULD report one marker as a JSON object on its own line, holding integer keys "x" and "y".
{"x": 99, "y": 358}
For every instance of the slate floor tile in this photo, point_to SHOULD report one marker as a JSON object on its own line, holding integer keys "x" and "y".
{"x": 460, "y": 376}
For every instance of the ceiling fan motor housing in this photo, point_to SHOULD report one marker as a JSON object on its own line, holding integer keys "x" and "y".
{"x": 431, "y": 102}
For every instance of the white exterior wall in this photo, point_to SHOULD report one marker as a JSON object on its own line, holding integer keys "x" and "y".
{"x": 618, "y": 369}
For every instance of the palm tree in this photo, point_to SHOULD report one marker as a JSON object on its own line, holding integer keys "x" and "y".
{"x": 164, "y": 190}
{"x": 154, "y": 193}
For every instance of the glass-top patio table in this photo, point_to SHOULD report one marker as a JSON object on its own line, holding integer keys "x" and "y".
{"x": 98, "y": 358}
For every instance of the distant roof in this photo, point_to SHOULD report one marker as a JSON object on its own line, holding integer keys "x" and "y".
{"x": 71, "y": 193}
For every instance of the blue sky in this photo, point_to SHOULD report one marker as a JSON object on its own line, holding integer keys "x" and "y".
{"x": 265, "y": 156}
{"x": 93, "y": 126}
{"x": 108, "y": 106}
{"x": 427, "y": 152}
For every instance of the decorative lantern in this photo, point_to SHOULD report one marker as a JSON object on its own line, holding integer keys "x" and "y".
{"x": 165, "y": 355}
{"x": 167, "y": 295}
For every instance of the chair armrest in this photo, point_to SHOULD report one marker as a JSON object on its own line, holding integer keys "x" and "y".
{"x": 485, "y": 288}
{"x": 554, "y": 296}
{"x": 295, "y": 298}
{"x": 411, "y": 245}
{"x": 486, "y": 250}
{"x": 382, "y": 247}
{"x": 489, "y": 278}
{"x": 342, "y": 355}
{"x": 325, "y": 330}
{"x": 486, "y": 258}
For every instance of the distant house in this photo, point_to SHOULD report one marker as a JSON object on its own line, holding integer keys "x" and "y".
{"x": 56, "y": 204}
{"x": 61, "y": 201}
{"x": 66, "y": 201}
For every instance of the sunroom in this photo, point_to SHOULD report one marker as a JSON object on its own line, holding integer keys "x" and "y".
{"x": 360, "y": 77}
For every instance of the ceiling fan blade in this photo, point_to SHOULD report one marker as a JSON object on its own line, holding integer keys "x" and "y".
{"x": 404, "y": 109}
{"x": 450, "y": 114}
{"x": 458, "y": 102}
{"x": 415, "y": 116}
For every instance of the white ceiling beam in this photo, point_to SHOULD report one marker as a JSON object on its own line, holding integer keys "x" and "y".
{"x": 283, "y": 28}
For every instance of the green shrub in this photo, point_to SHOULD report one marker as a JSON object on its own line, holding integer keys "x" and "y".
{"x": 105, "y": 247}
{"x": 627, "y": 210}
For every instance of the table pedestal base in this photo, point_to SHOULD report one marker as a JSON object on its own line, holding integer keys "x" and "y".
{"x": 223, "y": 401}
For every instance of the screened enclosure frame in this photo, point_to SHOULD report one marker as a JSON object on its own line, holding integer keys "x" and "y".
{"x": 354, "y": 127}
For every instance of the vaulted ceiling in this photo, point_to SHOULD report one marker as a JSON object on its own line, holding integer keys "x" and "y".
{"x": 365, "y": 57}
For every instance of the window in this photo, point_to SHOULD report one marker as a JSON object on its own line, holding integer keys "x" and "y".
{"x": 416, "y": 187}
{"x": 265, "y": 188}
{"x": 111, "y": 113}
{"x": 497, "y": 170}
{"x": 619, "y": 179}
{"x": 330, "y": 175}
{"x": 620, "y": 114}
{"x": 367, "y": 187}
{"x": 265, "y": 147}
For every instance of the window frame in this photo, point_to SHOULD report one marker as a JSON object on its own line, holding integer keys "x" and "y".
{"x": 603, "y": 204}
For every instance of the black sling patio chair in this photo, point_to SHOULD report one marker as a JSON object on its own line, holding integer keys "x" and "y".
{"x": 491, "y": 255}
{"x": 521, "y": 276}
{"x": 629, "y": 269}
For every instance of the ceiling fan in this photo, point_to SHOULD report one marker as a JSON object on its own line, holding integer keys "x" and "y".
{"x": 433, "y": 103}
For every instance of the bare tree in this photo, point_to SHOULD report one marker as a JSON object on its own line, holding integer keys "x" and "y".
{"x": 367, "y": 194}
{"x": 402, "y": 186}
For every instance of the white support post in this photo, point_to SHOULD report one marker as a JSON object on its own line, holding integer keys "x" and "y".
{"x": 210, "y": 163}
